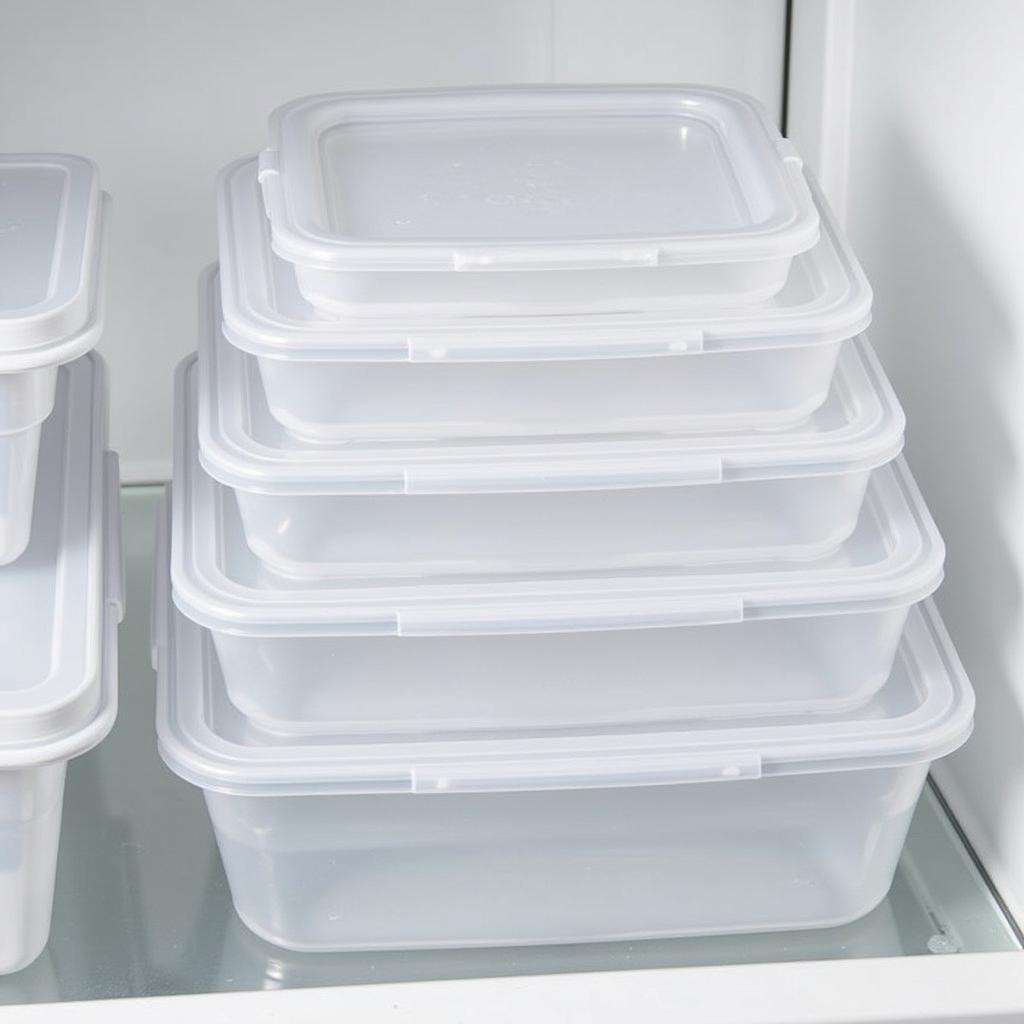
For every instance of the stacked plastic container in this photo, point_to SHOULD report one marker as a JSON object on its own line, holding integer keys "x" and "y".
{"x": 61, "y": 595}
{"x": 543, "y": 565}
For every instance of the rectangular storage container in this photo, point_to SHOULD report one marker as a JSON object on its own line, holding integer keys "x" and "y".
{"x": 334, "y": 843}
{"x": 560, "y": 199}
{"x": 635, "y": 644}
{"x": 388, "y": 509}
{"x": 650, "y": 369}
{"x": 60, "y": 605}
{"x": 51, "y": 310}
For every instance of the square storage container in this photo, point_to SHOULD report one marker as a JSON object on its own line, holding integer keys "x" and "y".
{"x": 336, "y": 842}
{"x": 707, "y": 367}
{"x": 381, "y": 508}
{"x": 559, "y": 199}
{"x": 437, "y": 649}
{"x": 51, "y": 310}
{"x": 60, "y": 605}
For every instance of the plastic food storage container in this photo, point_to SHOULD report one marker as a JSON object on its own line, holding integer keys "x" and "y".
{"x": 650, "y": 369}
{"x": 381, "y": 508}
{"x": 559, "y": 199}
{"x": 479, "y": 650}
{"x": 697, "y": 827}
{"x": 60, "y": 604}
{"x": 51, "y": 310}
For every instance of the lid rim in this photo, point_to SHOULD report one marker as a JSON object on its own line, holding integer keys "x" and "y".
{"x": 68, "y": 305}
{"x": 299, "y": 233}
{"x": 65, "y": 347}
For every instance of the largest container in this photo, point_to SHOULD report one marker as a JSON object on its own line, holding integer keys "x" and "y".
{"x": 334, "y": 843}
{"x": 60, "y": 604}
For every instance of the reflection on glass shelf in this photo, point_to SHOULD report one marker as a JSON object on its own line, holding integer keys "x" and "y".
{"x": 143, "y": 908}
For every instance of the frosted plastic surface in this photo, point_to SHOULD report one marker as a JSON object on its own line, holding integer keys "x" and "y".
{"x": 31, "y": 802}
{"x": 30, "y": 209}
{"x": 520, "y": 178}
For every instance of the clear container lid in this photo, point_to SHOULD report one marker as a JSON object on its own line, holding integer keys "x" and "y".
{"x": 51, "y": 255}
{"x": 859, "y": 426}
{"x": 893, "y": 558}
{"x": 532, "y": 178}
{"x": 60, "y": 602}
{"x": 923, "y": 712}
{"x": 826, "y": 299}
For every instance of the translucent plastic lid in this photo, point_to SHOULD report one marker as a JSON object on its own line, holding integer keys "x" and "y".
{"x": 825, "y": 299}
{"x": 60, "y": 602}
{"x": 570, "y": 177}
{"x": 923, "y": 712}
{"x": 894, "y": 557}
{"x": 859, "y": 426}
{"x": 51, "y": 234}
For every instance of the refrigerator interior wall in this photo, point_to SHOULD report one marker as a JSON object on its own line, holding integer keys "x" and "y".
{"x": 904, "y": 110}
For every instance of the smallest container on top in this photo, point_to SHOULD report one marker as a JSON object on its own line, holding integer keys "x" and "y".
{"x": 538, "y": 199}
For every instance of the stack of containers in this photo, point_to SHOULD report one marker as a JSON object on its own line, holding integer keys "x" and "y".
{"x": 543, "y": 566}
{"x": 60, "y": 557}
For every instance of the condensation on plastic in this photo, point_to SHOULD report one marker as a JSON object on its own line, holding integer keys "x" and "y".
{"x": 60, "y": 604}
{"x": 341, "y": 379}
{"x": 485, "y": 507}
{"x": 533, "y": 199}
{"x": 52, "y": 228}
{"x": 694, "y": 828}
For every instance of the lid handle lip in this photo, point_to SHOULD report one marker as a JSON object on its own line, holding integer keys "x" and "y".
{"x": 267, "y": 165}
{"x": 604, "y": 771}
{"x": 160, "y": 586}
{"x": 569, "y": 474}
{"x": 569, "y": 616}
{"x": 113, "y": 542}
{"x": 427, "y": 348}
{"x": 553, "y": 256}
